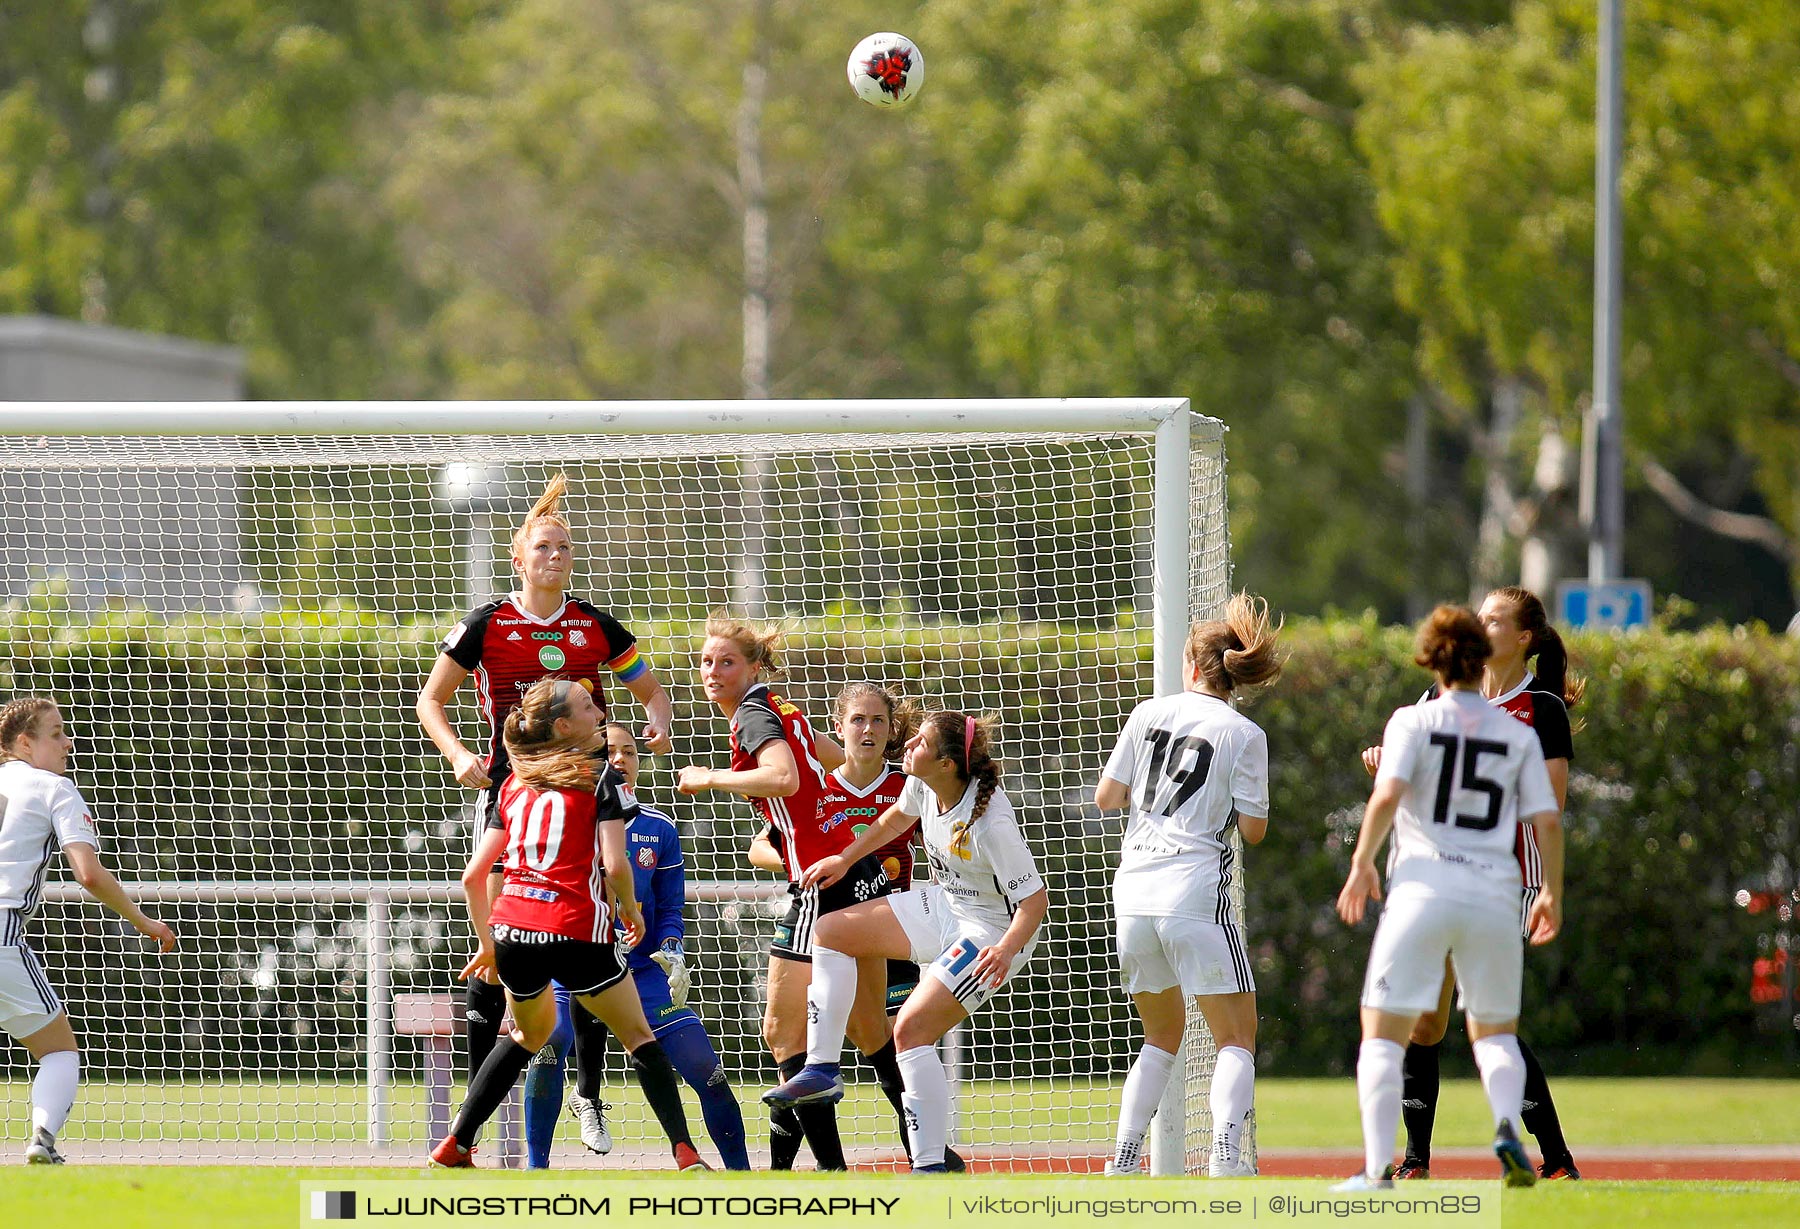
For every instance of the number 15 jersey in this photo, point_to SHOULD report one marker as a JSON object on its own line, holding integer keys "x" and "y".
{"x": 1194, "y": 764}
{"x": 1472, "y": 771}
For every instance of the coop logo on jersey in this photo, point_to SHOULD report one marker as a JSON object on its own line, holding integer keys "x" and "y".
{"x": 578, "y": 638}
{"x": 546, "y": 635}
{"x": 646, "y": 858}
{"x": 551, "y": 658}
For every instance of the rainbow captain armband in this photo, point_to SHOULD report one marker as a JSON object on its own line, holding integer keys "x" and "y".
{"x": 629, "y": 666}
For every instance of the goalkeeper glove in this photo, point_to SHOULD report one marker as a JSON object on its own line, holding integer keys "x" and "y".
{"x": 674, "y": 963}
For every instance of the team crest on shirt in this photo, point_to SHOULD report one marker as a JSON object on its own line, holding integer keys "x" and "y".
{"x": 577, "y": 637}
{"x": 646, "y": 858}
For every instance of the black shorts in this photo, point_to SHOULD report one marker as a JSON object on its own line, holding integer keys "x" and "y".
{"x": 794, "y": 933}
{"x": 529, "y": 960}
{"x": 487, "y": 812}
{"x": 902, "y": 980}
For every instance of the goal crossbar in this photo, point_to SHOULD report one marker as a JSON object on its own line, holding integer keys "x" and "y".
{"x": 226, "y": 418}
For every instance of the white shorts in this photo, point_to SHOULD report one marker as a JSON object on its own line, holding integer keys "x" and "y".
{"x": 1201, "y": 957}
{"x": 945, "y": 946}
{"x": 28, "y": 1001}
{"x": 1406, "y": 963}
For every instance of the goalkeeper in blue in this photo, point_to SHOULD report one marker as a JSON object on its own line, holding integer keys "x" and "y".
{"x": 659, "y": 968}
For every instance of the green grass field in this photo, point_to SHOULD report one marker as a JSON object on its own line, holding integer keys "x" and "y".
{"x": 126, "y": 1198}
{"x": 1290, "y": 1113}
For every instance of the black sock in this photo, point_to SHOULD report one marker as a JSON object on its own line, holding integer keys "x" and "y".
{"x": 506, "y": 1060}
{"x": 656, "y": 1076}
{"x": 1540, "y": 1112}
{"x": 784, "y": 1123}
{"x": 485, "y": 1006}
{"x": 887, "y": 1077}
{"x": 1419, "y": 1099}
{"x": 590, "y": 1051}
{"x": 820, "y": 1126}
{"x": 818, "y": 1123}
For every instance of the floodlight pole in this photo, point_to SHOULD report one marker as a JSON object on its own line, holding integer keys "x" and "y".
{"x": 1603, "y": 476}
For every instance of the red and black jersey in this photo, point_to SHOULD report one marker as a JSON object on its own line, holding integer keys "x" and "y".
{"x": 848, "y": 807}
{"x": 555, "y": 877}
{"x": 761, "y": 718}
{"x": 1548, "y": 716}
{"x": 508, "y": 650}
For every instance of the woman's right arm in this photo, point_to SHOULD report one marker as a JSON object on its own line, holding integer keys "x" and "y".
{"x": 434, "y": 716}
{"x": 887, "y": 827}
{"x": 91, "y": 874}
{"x": 475, "y": 879}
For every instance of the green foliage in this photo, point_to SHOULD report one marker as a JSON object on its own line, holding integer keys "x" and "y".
{"x": 283, "y": 745}
{"x": 1685, "y": 788}
{"x": 199, "y": 169}
{"x": 1481, "y": 144}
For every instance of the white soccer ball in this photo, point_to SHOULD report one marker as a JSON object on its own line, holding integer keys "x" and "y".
{"x": 887, "y": 70}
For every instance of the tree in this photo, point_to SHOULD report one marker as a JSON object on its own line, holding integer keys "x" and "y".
{"x": 197, "y": 169}
{"x": 1480, "y": 142}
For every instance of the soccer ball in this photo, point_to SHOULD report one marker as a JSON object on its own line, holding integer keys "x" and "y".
{"x": 886, "y": 70}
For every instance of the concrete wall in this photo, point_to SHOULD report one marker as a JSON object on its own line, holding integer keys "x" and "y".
{"x": 158, "y": 537}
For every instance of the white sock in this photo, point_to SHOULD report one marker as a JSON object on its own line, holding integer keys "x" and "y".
{"x": 53, "y": 1091}
{"x": 926, "y": 1101}
{"x": 1233, "y": 1096}
{"x": 1502, "y": 1070}
{"x": 1378, "y": 1084}
{"x": 828, "y": 1003}
{"x": 1143, "y": 1093}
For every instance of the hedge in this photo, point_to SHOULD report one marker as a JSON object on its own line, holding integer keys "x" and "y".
{"x": 282, "y": 744}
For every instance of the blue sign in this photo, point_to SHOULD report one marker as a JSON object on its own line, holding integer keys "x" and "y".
{"x": 1614, "y": 603}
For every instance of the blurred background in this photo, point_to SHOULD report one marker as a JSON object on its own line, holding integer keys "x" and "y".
{"x": 1357, "y": 231}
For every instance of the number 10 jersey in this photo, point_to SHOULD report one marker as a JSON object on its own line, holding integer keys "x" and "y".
{"x": 1194, "y": 764}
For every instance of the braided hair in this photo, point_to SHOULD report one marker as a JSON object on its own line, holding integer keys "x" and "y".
{"x": 20, "y": 717}
{"x": 542, "y": 758}
{"x": 967, "y": 742}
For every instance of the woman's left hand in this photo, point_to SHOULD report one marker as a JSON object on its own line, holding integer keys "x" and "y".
{"x": 994, "y": 963}
{"x": 694, "y": 780}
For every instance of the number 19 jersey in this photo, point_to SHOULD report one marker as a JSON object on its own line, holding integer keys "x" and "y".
{"x": 1471, "y": 772}
{"x": 1194, "y": 764}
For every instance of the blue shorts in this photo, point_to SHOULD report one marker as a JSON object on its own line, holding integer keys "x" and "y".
{"x": 653, "y": 992}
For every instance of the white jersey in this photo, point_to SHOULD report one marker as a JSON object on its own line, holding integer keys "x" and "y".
{"x": 43, "y": 813}
{"x": 1471, "y": 771}
{"x": 1194, "y": 764}
{"x": 985, "y": 875}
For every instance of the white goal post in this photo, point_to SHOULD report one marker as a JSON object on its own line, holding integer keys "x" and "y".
{"x": 236, "y": 602}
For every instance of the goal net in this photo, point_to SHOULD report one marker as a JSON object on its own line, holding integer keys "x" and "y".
{"x": 237, "y": 626}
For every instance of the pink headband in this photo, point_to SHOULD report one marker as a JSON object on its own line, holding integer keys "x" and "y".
{"x": 968, "y": 738}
